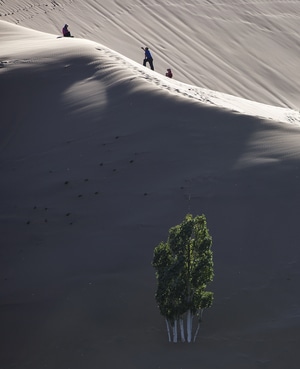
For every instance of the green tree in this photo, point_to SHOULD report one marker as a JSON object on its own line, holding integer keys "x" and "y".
{"x": 184, "y": 267}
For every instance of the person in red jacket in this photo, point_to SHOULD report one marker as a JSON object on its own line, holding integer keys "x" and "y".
{"x": 169, "y": 73}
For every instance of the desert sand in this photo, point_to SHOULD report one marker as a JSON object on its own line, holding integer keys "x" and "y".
{"x": 100, "y": 156}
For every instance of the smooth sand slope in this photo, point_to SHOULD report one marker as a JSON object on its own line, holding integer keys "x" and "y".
{"x": 99, "y": 157}
{"x": 247, "y": 49}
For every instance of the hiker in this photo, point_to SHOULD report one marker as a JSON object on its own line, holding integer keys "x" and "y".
{"x": 148, "y": 58}
{"x": 66, "y": 32}
{"x": 169, "y": 73}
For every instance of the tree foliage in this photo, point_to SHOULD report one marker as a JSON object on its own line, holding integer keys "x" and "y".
{"x": 184, "y": 267}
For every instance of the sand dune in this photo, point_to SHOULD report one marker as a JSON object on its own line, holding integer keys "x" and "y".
{"x": 244, "y": 49}
{"x": 101, "y": 156}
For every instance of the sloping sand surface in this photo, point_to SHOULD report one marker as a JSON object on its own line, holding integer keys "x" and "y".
{"x": 100, "y": 156}
{"x": 245, "y": 49}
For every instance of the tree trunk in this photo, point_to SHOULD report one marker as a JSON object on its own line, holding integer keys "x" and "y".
{"x": 189, "y": 325}
{"x": 182, "y": 335}
{"x": 168, "y": 330}
{"x": 197, "y": 330}
{"x": 200, "y": 313}
{"x": 175, "y": 331}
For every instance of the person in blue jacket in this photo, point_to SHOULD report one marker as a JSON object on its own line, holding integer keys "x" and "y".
{"x": 148, "y": 58}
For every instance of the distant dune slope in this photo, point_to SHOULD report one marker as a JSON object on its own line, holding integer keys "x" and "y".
{"x": 244, "y": 49}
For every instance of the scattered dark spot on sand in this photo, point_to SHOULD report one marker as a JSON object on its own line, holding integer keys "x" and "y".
{"x": 145, "y": 194}
{"x": 86, "y": 180}
{"x": 46, "y": 209}
{"x": 28, "y": 222}
{"x": 96, "y": 193}
{"x": 101, "y": 164}
{"x": 66, "y": 182}
{"x": 116, "y": 137}
{"x": 46, "y": 220}
{"x": 34, "y": 207}
{"x": 114, "y": 170}
{"x": 131, "y": 161}
{"x": 79, "y": 195}
{"x": 68, "y": 214}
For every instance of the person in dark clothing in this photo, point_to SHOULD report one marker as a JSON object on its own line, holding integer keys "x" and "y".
{"x": 169, "y": 73}
{"x": 148, "y": 58}
{"x": 66, "y": 32}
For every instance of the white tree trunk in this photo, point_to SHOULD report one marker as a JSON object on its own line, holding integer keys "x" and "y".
{"x": 182, "y": 335}
{"x": 168, "y": 330}
{"x": 200, "y": 313}
{"x": 197, "y": 330}
{"x": 175, "y": 335}
{"x": 189, "y": 325}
